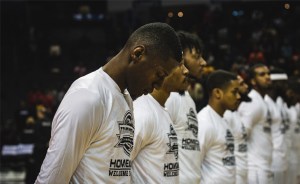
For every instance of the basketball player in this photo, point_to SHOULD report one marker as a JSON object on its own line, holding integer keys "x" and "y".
{"x": 257, "y": 122}
{"x": 215, "y": 137}
{"x": 278, "y": 128}
{"x": 240, "y": 135}
{"x": 155, "y": 153}
{"x": 293, "y": 101}
{"x": 93, "y": 128}
{"x": 183, "y": 112}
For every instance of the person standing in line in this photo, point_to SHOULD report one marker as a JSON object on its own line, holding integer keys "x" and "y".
{"x": 155, "y": 151}
{"x": 216, "y": 140}
{"x": 278, "y": 129}
{"x": 93, "y": 128}
{"x": 183, "y": 112}
{"x": 256, "y": 119}
{"x": 288, "y": 114}
{"x": 240, "y": 135}
{"x": 292, "y": 97}
{"x": 296, "y": 129}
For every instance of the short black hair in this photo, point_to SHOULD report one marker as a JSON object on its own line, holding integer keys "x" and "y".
{"x": 219, "y": 79}
{"x": 252, "y": 73}
{"x": 190, "y": 41}
{"x": 294, "y": 84}
{"x": 159, "y": 38}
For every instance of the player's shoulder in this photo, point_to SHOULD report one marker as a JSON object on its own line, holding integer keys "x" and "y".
{"x": 144, "y": 107}
{"x": 141, "y": 103}
{"x": 174, "y": 98}
{"x": 205, "y": 120}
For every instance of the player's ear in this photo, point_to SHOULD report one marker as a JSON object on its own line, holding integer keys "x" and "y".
{"x": 253, "y": 82}
{"x": 137, "y": 53}
{"x": 218, "y": 93}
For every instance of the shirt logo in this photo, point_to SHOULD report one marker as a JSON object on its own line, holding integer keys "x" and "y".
{"x": 230, "y": 159}
{"x": 243, "y": 147}
{"x": 172, "y": 169}
{"x": 126, "y": 129}
{"x": 267, "y": 124}
{"x": 229, "y": 141}
{"x": 119, "y": 167}
{"x": 192, "y": 122}
{"x": 190, "y": 144}
{"x": 285, "y": 123}
{"x": 173, "y": 145}
{"x": 297, "y": 128}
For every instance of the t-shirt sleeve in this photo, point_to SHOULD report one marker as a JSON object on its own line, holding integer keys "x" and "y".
{"x": 228, "y": 117}
{"x": 76, "y": 121}
{"x": 205, "y": 135}
{"x": 172, "y": 105}
{"x": 249, "y": 113}
{"x": 144, "y": 127}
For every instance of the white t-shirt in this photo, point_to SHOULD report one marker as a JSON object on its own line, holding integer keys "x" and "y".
{"x": 239, "y": 132}
{"x": 155, "y": 152}
{"x": 182, "y": 110}
{"x": 286, "y": 122}
{"x": 279, "y": 159}
{"x": 216, "y": 148}
{"x": 257, "y": 121}
{"x": 296, "y": 133}
{"x": 92, "y": 134}
{"x": 294, "y": 115}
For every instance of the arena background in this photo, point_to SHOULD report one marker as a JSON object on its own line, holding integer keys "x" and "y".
{"x": 46, "y": 45}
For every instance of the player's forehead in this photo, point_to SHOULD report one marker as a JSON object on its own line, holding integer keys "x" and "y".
{"x": 260, "y": 69}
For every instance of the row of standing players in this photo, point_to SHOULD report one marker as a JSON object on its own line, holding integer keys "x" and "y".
{"x": 95, "y": 137}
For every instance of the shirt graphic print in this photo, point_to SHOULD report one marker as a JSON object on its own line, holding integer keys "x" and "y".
{"x": 192, "y": 123}
{"x": 172, "y": 169}
{"x": 122, "y": 167}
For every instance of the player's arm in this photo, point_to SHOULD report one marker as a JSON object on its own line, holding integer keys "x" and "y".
{"x": 172, "y": 104}
{"x": 144, "y": 128}
{"x": 77, "y": 119}
{"x": 249, "y": 113}
{"x": 229, "y": 118}
{"x": 205, "y": 136}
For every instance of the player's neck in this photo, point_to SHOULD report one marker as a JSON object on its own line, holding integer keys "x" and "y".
{"x": 160, "y": 96}
{"x": 261, "y": 91}
{"x": 216, "y": 107}
{"x": 115, "y": 68}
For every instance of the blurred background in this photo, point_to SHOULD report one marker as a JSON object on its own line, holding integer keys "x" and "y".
{"x": 46, "y": 45}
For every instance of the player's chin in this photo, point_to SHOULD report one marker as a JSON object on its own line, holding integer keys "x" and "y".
{"x": 235, "y": 107}
{"x": 146, "y": 91}
{"x": 181, "y": 92}
{"x": 137, "y": 94}
{"x": 185, "y": 84}
{"x": 134, "y": 97}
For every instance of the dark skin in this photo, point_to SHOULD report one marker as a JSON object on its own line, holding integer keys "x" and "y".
{"x": 218, "y": 98}
{"x": 214, "y": 101}
{"x": 261, "y": 82}
{"x": 175, "y": 82}
{"x": 161, "y": 96}
{"x": 116, "y": 67}
{"x": 139, "y": 70}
